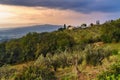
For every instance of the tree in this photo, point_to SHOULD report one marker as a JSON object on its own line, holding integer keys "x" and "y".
{"x": 65, "y": 27}
{"x": 91, "y": 24}
{"x": 97, "y": 22}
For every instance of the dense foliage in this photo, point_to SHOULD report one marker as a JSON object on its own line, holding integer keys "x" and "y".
{"x": 62, "y": 60}
{"x": 36, "y": 73}
{"x": 111, "y": 31}
{"x": 95, "y": 56}
{"x": 44, "y": 67}
{"x": 32, "y": 45}
{"x": 6, "y": 72}
{"x": 113, "y": 73}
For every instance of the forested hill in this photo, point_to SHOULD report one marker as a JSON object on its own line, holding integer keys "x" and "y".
{"x": 33, "y": 45}
{"x": 29, "y": 47}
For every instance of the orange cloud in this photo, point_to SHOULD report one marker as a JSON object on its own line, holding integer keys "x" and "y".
{"x": 12, "y": 16}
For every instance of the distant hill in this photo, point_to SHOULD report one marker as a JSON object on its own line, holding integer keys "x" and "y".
{"x": 6, "y": 34}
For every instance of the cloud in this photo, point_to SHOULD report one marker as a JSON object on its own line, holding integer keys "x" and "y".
{"x": 84, "y": 6}
{"x": 15, "y": 16}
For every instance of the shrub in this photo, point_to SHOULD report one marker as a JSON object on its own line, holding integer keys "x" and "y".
{"x": 111, "y": 32}
{"x": 6, "y": 72}
{"x": 106, "y": 38}
{"x": 114, "y": 52}
{"x": 94, "y": 56}
{"x": 113, "y": 73}
{"x": 36, "y": 73}
{"x": 63, "y": 59}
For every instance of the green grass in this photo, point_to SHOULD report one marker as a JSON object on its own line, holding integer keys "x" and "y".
{"x": 113, "y": 46}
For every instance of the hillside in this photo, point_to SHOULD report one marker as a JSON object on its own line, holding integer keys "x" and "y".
{"x": 79, "y": 54}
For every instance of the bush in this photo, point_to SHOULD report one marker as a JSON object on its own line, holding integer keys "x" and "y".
{"x": 114, "y": 52}
{"x": 106, "y": 38}
{"x": 95, "y": 56}
{"x": 36, "y": 73}
{"x": 6, "y": 72}
{"x": 59, "y": 60}
{"x": 111, "y": 32}
{"x": 113, "y": 73}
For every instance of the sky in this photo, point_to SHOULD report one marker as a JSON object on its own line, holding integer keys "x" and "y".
{"x": 16, "y": 13}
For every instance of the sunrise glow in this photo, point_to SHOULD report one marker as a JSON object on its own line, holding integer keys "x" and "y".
{"x": 20, "y": 15}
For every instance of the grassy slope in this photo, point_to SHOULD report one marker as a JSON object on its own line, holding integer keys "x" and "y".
{"x": 81, "y": 34}
{"x": 91, "y": 72}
